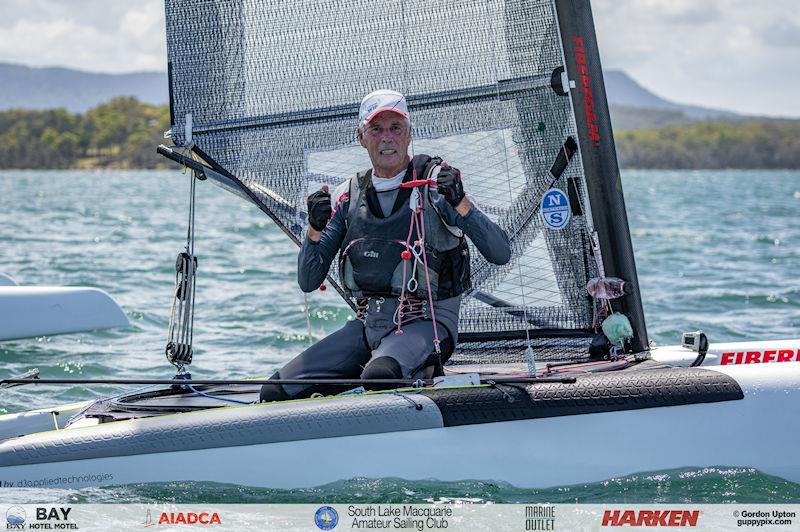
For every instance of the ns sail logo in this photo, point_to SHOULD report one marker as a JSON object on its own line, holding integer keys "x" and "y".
{"x": 555, "y": 209}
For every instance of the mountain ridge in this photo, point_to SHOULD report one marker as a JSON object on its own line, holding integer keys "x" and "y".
{"x": 623, "y": 90}
{"x": 77, "y": 91}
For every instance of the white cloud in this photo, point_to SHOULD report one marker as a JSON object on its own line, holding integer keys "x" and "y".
{"x": 94, "y": 35}
{"x": 734, "y": 54}
{"x": 731, "y": 54}
{"x": 681, "y": 12}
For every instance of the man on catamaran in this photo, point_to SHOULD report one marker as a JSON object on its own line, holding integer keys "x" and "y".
{"x": 399, "y": 230}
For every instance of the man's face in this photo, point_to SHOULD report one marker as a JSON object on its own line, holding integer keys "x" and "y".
{"x": 386, "y": 139}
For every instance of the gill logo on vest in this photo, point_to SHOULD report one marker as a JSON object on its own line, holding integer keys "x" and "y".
{"x": 371, "y": 254}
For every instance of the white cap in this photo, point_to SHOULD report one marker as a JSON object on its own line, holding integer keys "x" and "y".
{"x": 379, "y": 101}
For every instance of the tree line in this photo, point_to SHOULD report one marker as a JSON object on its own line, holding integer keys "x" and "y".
{"x": 124, "y": 132}
{"x": 752, "y": 144}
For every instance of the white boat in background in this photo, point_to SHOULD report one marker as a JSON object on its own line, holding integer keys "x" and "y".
{"x": 31, "y": 311}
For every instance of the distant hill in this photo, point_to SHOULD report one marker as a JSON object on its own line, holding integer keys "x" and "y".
{"x": 76, "y": 91}
{"x": 622, "y": 90}
{"x": 634, "y": 107}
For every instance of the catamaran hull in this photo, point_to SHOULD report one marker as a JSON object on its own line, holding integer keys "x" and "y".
{"x": 30, "y": 311}
{"x": 731, "y": 353}
{"x": 759, "y": 430}
{"x": 21, "y": 423}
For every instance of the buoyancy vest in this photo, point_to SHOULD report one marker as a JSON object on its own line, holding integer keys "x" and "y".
{"x": 370, "y": 262}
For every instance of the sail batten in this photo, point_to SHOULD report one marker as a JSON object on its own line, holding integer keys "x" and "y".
{"x": 502, "y": 89}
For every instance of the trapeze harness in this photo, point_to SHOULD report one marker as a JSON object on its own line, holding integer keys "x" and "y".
{"x": 418, "y": 259}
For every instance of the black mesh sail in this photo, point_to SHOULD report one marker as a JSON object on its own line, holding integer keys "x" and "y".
{"x": 269, "y": 92}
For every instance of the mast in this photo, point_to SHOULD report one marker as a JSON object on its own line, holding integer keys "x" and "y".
{"x": 596, "y": 145}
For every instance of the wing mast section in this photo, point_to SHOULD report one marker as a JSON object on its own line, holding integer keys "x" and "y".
{"x": 596, "y": 144}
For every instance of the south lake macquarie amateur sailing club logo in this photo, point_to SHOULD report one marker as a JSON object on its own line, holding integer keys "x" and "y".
{"x": 326, "y": 518}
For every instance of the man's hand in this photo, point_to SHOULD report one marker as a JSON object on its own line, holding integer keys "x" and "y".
{"x": 449, "y": 185}
{"x": 319, "y": 209}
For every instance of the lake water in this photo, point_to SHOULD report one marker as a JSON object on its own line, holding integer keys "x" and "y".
{"x": 715, "y": 250}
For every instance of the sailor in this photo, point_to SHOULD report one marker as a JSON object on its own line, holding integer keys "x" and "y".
{"x": 407, "y": 282}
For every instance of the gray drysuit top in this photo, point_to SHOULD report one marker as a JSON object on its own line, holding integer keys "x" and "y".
{"x": 315, "y": 259}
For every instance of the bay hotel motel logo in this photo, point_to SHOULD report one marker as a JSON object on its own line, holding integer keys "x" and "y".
{"x": 45, "y": 519}
{"x": 15, "y": 517}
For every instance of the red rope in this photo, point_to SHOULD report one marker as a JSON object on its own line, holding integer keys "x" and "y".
{"x": 418, "y": 221}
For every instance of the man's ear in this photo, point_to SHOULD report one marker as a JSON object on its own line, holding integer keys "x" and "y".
{"x": 360, "y": 136}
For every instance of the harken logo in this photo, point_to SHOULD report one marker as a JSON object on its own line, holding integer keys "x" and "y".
{"x": 15, "y": 517}
{"x": 682, "y": 518}
{"x": 326, "y": 518}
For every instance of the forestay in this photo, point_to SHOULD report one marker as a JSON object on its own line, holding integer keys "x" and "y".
{"x": 272, "y": 90}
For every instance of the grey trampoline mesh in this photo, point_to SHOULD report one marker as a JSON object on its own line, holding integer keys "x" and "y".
{"x": 273, "y": 90}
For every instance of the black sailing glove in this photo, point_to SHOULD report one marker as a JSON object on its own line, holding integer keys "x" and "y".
{"x": 319, "y": 208}
{"x": 449, "y": 184}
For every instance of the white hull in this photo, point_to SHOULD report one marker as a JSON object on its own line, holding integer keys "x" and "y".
{"x": 732, "y": 353}
{"x": 13, "y": 425}
{"x": 759, "y": 431}
{"x": 28, "y": 311}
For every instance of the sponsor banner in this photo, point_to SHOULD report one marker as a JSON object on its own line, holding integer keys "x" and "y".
{"x": 450, "y": 517}
{"x": 759, "y": 357}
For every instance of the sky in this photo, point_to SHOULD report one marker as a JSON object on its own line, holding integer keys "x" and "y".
{"x": 742, "y": 55}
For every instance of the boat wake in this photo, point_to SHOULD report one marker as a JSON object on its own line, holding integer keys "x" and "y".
{"x": 708, "y": 485}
